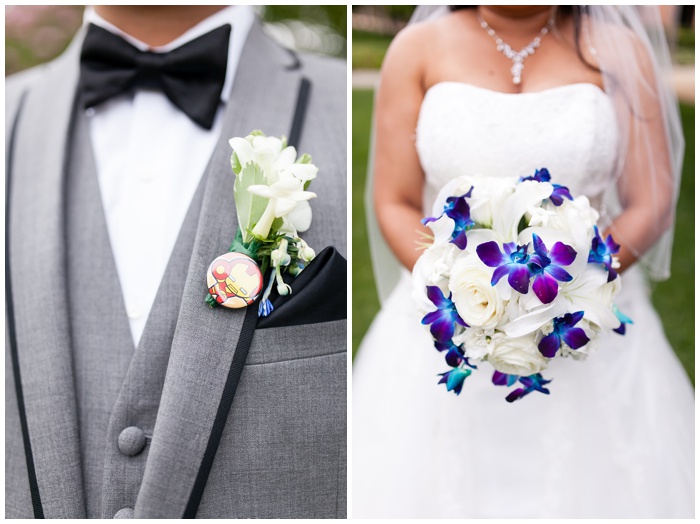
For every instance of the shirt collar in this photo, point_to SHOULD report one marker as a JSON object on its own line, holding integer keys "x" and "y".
{"x": 241, "y": 19}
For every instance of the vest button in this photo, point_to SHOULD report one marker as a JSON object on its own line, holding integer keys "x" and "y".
{"x": 126, "y": 513}
{"x": 131, "y": 442}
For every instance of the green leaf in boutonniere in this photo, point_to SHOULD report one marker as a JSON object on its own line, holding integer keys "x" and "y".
{"x": 249, "y": 207}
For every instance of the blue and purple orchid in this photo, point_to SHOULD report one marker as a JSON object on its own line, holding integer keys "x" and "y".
{"x": 532, "y": 383}
{"x": 624, "y": 320}
{"x": 454, "y": 355}
{"x": 602, "y": 252}
{"x": 442, "y": 320}
{"x": 454, "y": 379}
{"x": 543, "y": 265}
{"x": 564, "y": 332}
{"x": 560, "y": 192}
{"x": 512, "y": 261}
{"x": 457, "y": 209}
{"x": 546, "y": 267}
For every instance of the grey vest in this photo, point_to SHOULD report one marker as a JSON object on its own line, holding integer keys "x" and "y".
{"x": 118, "y": 387}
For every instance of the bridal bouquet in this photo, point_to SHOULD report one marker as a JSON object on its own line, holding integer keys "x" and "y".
{"x": 517, "y": 274}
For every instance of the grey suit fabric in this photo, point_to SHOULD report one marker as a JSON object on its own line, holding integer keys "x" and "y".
{"x": 118, "y": 386}
{"x": 101, "y": 341}
{"x": 283, "y": 450}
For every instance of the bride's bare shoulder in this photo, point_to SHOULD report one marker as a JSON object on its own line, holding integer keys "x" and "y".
{"x": 406, "y": 49}
{"x": 415, "y": 46}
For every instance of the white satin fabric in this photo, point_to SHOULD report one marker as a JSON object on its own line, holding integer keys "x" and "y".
{"x": 614, "y": 439}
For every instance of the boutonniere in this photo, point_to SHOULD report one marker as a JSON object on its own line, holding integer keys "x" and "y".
{"x": 270, "y": 191}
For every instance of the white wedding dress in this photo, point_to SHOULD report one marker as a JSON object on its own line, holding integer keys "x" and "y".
{"x": 615, "y": 438}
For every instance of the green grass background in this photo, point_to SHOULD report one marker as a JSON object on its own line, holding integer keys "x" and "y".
{"x": 674, "y": 299}
{"x": 368, "y": 49}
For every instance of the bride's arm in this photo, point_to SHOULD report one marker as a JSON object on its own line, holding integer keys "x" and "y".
{"x": 398, "y": 177}
{"x": 646, "y": 187}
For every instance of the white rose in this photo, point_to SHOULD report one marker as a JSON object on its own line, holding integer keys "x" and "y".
{"x": 477, "y": 301}
{"x": 516, "y": 356}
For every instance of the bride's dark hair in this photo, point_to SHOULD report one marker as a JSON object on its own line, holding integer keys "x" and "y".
{"x": 576, "y": 12}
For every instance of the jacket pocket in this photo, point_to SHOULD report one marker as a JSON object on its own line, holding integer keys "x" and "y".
{"x": 298, "y": 342}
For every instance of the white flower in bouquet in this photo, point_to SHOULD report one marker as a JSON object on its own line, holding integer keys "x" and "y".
{"x": 477, "y": 343}
{"x": 477, "y": 301}
{"x": 507, "y": 218}
{"x": 591, "y": 292}
{"x": 516, "y": 355}
{"x": 574, "y": 218}
{"x": 488, "y": 198}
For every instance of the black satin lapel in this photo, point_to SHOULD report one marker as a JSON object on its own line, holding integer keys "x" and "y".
{"x": 42, "y": 327}
{"x": 245, "y": 339}
{"x": 11, "y": 331}
{"x": 300, "y": 112}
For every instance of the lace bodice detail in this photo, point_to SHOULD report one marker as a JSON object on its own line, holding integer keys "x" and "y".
{"x": 570, "y": 130}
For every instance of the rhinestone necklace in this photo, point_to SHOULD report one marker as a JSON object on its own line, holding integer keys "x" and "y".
{"x": 517, "y": 57}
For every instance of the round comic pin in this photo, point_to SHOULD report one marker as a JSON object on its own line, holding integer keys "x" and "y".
{"x": 234, "y": 280}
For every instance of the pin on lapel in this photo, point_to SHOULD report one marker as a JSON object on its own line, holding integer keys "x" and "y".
{"x": 272, "y": 207}
{"x": 234, "y": 280}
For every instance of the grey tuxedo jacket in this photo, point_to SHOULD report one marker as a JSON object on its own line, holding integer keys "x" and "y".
{"x": 97, "y": 428}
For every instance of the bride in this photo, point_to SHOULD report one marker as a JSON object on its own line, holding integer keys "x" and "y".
{"x": 615, "y": 438}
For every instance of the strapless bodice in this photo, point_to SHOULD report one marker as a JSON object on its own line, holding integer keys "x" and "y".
{"x": 570, "y": 130}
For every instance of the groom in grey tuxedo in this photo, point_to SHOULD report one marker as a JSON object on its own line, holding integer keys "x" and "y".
{"x": 170, "y": 409}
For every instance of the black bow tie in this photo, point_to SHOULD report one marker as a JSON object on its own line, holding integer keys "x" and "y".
{"x": 191, "y": 76}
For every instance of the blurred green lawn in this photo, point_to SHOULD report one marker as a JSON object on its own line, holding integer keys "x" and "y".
{"x": 674, "y": 299}
{"x": 368, "y": 49}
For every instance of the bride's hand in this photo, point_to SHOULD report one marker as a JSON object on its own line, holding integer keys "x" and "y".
{"x": 398, "y": 185}
{"x": 646, "y": 189}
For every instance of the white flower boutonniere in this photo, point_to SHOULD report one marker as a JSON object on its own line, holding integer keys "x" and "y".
{"x": 272, "y": 205}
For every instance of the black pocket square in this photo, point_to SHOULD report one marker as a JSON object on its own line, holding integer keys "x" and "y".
{"x": 319, "y": 294}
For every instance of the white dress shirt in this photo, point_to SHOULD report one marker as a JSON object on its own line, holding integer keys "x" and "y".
{"x": 150, "y": 158}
